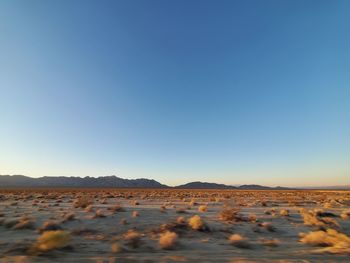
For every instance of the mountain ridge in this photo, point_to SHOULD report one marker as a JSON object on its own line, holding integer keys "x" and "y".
{"x": 113, "y": 181}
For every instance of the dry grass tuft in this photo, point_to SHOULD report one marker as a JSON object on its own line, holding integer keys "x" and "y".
{"x": 24, "y": 223}
{"x": 230, "y": 215}
{"x": 270, "y": 242}
{"x": 345, "y": 215}
{"x": 50, "y": 240}
{"x": 311, "y": 219}
{"x": 335, "y": 242}
{"x": 83, "y": 202}
{"x": 116, "y": 248}
{"x": 284, "y": 212}
{"x": 238, "y": 241}
{"x": 181, "y": 220}
{"x": 69, "y": 217}
{"x": 132, "y": 238}
{"x": 99, "y": 214}
{"x": 135, "y": 214}
{"x": 203, "y": 208}
{"x": 196, "y": 223}
{"x": 116, "y": 208}
{"x": 168, "y": 240}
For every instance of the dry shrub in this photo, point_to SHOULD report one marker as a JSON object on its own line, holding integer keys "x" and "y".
{"x": 311, "y": 219}
{"x": 52, "y": 240}
{"x": 24, "y": 223}
{"x": 132, "y": 238}
{"x": 238, "y": 241}
{"x": 116, "y": 208}
{"x": 49, "y": 226}
{"x": 123, "y": 221}
{"x": 270, "y": 242}
{"x": 203, "y": 208}
{"x": 168, "y": 240}
{"x": 284, "y": 212}
{"x": 181, "y": 220}
{"x": 335, "y": 242}
{"x": 68, "y": 217}
{"x": 135, "y": 214}
{"x": 116, "y": 248}
{"x": 193, "y": 203}
{"x": 99, "y": 214}
{"x": 252, "y": 218}
{"x": 345, "y": 215}
{"x": 89, "y": 209}
{"x": 83, "y": 202}
{"x": 268, "y": 226}
{"x": 196, "y": 223}
{"x": 230, "y": 215}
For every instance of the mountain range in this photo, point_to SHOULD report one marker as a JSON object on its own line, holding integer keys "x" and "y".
{"x": 110, "y": 181}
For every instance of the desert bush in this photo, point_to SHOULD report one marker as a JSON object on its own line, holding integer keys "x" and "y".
{"x": 116, "y": 248}
{"x": 68, "y": 217}
{"x": 270, "y": 242}
{"x": 203, "y": 208}
{"x": 52, "y": 240}
{"x": 284, "y": 212}
{"x": 116, "y": 208}
{"x": 24, "y": 223}
{"x": 99, "y": 214}
{"x": 252, "y": 218}
{"x": 230, "y": 215}
{"x": 311, "y": 219}
{"x": 335, "y": 242}
{"x": 345, "y": 214}
{"x": 238, "y": 241}
{"x": 168, "y": 240}
{"x": 89, "y": 209}
{"x": 268, "y": 226}
{"x": 181, "y": 220}
{"x": 132, "y": 238}
{"x": 135, "y": 214}
{"x": 196, "y": 223}
{"x": 193, "y": 203}
{"x": 83, "y": 202}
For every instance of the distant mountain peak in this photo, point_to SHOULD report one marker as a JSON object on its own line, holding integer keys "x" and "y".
{"x": 111, "y": 181}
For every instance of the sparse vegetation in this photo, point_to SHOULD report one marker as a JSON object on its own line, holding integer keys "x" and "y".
{"x": 52, "y": 240}
{"x": 238, "y": 241}
{"x": 102, "y": 223}
{"x": 196, "y": 223}
{"x": 335, "y": 242}
{"x": 168, "y": 240}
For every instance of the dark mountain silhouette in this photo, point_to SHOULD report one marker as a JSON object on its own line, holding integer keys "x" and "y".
{"x": 204, "y": 185}
{"x": 111, "y": 181}
{"x": 62, "y": 181}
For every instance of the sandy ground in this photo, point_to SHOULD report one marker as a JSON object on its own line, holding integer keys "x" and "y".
{"x": 95, "y": 223}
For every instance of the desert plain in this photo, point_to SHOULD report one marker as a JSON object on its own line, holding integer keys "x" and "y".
{"x": 174, "y": 225}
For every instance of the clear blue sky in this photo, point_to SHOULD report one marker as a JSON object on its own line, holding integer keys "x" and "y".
{"x": 221, "y": 91}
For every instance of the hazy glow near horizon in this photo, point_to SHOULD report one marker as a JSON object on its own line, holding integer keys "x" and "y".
{"x": 230, "y": 92}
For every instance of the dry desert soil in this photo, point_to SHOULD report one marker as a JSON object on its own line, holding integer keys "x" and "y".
{"x": 173, "y": 225}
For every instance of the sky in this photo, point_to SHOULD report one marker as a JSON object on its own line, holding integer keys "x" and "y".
{"x": 234, "y": 92}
